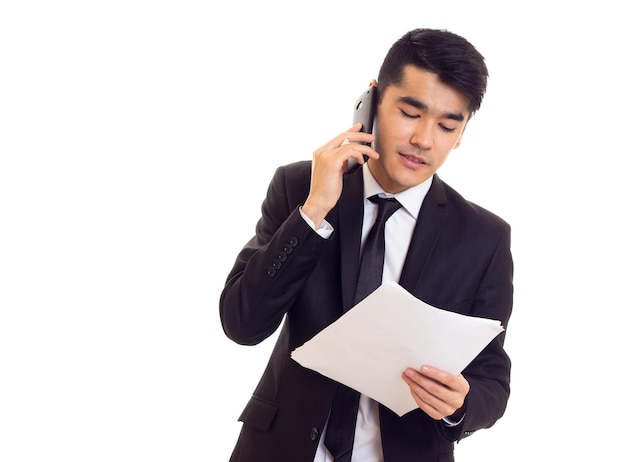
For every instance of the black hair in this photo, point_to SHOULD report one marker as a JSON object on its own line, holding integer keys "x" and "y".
{"x": 450, "y": 56}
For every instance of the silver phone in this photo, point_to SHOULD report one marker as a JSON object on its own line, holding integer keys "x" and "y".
{"x": 364, "y": 113}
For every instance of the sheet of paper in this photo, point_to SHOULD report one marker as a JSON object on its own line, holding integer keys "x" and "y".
{"x": 370, "y": 346}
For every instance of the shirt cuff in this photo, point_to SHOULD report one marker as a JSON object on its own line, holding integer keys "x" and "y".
{"x": 451, "y": 423}
{"x": 324, "y": 231}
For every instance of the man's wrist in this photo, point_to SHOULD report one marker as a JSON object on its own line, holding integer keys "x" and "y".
{"x": 452, "y": 422}
{"x": 316, "y": 216}
{"x": 455, "y": 418}
{"x": 324, "y": 229}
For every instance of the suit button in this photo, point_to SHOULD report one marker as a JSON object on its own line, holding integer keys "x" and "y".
{"x": 293, "y": 242}
{"x": 315, "y": 433}
{"x": 271, "y": 272}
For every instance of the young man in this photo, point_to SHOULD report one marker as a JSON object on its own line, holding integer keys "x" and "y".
{"x": 302, "y": 264}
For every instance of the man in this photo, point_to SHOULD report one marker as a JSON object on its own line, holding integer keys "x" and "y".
{"x": 302, "y": 266}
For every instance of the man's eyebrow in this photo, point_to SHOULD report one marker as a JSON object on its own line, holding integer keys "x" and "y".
{"x": 417, "y": 104}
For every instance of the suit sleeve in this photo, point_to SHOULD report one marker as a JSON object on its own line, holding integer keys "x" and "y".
{"x": 273, "y": 265}
{"x": 489, "y": 373}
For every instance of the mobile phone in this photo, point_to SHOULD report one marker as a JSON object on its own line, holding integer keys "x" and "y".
{"x": 365, "y": 110}
{"x": 364, "y": 113}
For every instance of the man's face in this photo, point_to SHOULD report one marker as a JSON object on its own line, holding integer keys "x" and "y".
{"x": 418, "y": 123}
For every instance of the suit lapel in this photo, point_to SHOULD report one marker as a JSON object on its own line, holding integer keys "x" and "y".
{"x": 350, "y": 221}
{"x": 429, "y": 224}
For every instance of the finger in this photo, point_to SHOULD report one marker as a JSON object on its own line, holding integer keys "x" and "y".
{"x": 432, "y": 405}
{"x": 355, "y": 128}
{"x": 435, "y": 411}
{"x": 454, "y": 383}
{"x": 428, "y": 387}
{"x": 354, "y": 134}
{"x": 351, "y": 135}
{"x": 438, "y": 375}
{"x": 358, "y": 151}
{"x": 436, "y": 399}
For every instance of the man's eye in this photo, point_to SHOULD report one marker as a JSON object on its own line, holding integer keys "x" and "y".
{"x": 446, "y": 129}
{"x": 410, "y": 116}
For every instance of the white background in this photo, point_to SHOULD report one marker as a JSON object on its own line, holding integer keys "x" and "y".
{"x": 137, "y": 139}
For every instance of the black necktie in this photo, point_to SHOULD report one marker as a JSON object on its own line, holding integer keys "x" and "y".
{"x": 341, "y": 424}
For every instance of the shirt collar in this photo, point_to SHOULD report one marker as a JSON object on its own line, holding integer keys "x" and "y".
{"x": 411, "y": 199}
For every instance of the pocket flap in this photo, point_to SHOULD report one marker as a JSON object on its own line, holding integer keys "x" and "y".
{"x": 259, "y": 413}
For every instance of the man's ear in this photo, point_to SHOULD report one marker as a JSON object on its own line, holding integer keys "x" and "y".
{"x": 373, "y": 83}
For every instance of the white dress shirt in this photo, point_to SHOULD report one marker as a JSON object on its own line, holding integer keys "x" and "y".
{"x": 398, "y": 231}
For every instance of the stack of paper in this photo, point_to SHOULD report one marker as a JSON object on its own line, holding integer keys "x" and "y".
{"x": 370, "y": 346}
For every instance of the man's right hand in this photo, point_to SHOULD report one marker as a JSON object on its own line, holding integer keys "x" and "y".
{"x": 329, "y": 165}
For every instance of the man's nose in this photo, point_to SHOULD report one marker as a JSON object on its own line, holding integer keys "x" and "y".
{"x": 422, "y": 136}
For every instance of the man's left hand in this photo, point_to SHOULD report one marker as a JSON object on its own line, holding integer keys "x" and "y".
{"x": 438, "y": 393}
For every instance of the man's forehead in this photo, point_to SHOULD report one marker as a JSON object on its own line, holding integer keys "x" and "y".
{"x": 425, "y": 91}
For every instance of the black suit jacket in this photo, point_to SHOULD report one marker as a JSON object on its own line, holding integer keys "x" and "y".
{"x": 459, "y": 259}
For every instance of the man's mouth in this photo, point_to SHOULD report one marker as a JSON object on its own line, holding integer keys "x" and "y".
{"x": 414, "y": 159}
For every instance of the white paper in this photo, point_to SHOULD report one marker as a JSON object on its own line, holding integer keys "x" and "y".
{"x": 370, "y": 346}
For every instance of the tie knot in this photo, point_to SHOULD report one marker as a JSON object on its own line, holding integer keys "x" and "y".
{"x": 386, "y": 206}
